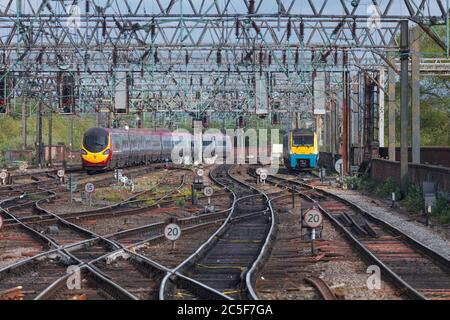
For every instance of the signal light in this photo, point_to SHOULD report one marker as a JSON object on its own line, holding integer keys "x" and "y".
{"x": 241, "y": 122}
{"x": 205, "y": 121}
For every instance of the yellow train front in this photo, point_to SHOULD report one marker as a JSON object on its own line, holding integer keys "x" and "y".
{"x": 300, "y": 150}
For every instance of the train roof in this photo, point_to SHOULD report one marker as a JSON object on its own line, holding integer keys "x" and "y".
{"x": 303, "y": 131}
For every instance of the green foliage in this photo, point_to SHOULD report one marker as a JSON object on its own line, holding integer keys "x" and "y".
{"x": 11, "y": 133}
{"x": 366, "y": 184}
{"x": 413, "y": 199}
{"x": 180, "y": 202}
{"x": 386, "y": 188}
{"x": 352, "y": 181}
{"x": 442, "y": 208}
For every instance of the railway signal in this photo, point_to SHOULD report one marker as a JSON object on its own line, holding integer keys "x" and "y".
{"x": 71, "y": 186}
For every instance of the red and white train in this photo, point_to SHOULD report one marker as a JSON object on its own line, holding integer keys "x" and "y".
{"x": 105, "y": 148}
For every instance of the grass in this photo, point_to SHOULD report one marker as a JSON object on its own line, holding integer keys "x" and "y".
{"x": 109, "y": 194}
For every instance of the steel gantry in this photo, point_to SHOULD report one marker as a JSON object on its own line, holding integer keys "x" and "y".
{"x": 200, "y": 56}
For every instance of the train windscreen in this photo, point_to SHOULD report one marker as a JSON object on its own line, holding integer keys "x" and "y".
{"x": 302, "y": 140}
{"x": 95, "y": 141}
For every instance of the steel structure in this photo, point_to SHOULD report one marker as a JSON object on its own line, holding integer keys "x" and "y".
{"x": 193, "y": 55}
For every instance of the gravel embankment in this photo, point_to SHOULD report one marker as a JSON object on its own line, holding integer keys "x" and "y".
{"x": 415, "y": 230}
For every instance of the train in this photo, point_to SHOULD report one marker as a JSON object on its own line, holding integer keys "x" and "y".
{"x": 300, "y": 150}
{"x": 105, "y": 148}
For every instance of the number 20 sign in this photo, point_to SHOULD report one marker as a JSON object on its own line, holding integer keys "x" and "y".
{"x": 313, "y": 218}
{"x": 172, "y": 232}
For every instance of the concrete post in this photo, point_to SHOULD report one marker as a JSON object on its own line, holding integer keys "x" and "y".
{"x": 404, "y": 101}
{"x": 39, "y": 134}
{"x": 392, "y": 105}
{"x": 415, "y": 78}
{"x": 381, "y": 108}
{"x": 24, "y": 124}
{"x": 50, "y": 129}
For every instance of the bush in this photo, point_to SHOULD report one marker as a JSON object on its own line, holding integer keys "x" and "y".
{"x": 366, "y": 184}
{"x": 386, "y": 188}
{"x": 413, "y": 199}
{"x": 442, "y": 208}
{"x": 352, "y": 181}
{"x": 180, "y": 202}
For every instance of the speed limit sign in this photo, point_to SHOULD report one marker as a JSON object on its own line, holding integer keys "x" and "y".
{"x": 172, "y": 232}
{"x": 200, "y": 172}
{"x": 89, "y": 187}
{"x": 208, "y": 191}
{"x": 60, "y": 173}
{"x": 3, "y": 175}
{"x": 313, "y": 218}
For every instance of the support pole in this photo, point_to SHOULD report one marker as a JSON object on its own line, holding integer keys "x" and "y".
{"x": 39, "y": 134}
{"x": 381, "y": 81}
{"x": 392, "y": 105}
{"x": 415, "y": 78}
{"x": 24, "y": 124}
{"x": 344, "y": 147}
{"x": 50, "y": 129}
{"x": 404, "y": 101}
{"x": 70, "y": 134}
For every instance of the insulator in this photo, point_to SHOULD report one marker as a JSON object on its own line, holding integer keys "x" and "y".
{"x": 302, "y": 30}
{"x": 87, "y": 6}
{"x": 284, "y": 56}
{"x": 335, "y": 56}
{"x": 270, "y": 58}
{"x": 251, "y": 7}
{"x": 237, "y": 28}
{"x": 288, "y": 29}
{"x": 155, "y": 55}
{"x": 142, "y": 72}
{"x": 297, "y": 56}
{"x": 219, "y": 56}
{"x": 104, "y": 27}
{"x": 354, "y": 30}
{"x": 313, "y": 55}
{"x": 152, "y": 29}
{"x": 114, "y": 56}
{"x": 201, "y": 81}
{"x": 261, "y": 57}
{"x": 186, "y": 58}
{"x": 191, "y": 82}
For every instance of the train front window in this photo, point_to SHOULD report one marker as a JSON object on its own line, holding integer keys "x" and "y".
{"x": 95, "y": 143}
{"x": 302, "y": 140}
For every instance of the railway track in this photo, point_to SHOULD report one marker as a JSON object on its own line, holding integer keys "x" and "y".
{"x": 227, "y": 261}
{"x": 416, "y": 270}
{"x": 89, "y": 254}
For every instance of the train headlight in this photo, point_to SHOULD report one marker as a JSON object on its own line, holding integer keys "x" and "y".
{"x": 106, "y": 152}
{"x": 83, "y": 151}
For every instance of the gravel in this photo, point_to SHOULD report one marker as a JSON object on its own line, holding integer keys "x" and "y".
{"x": 415, "y": 230}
